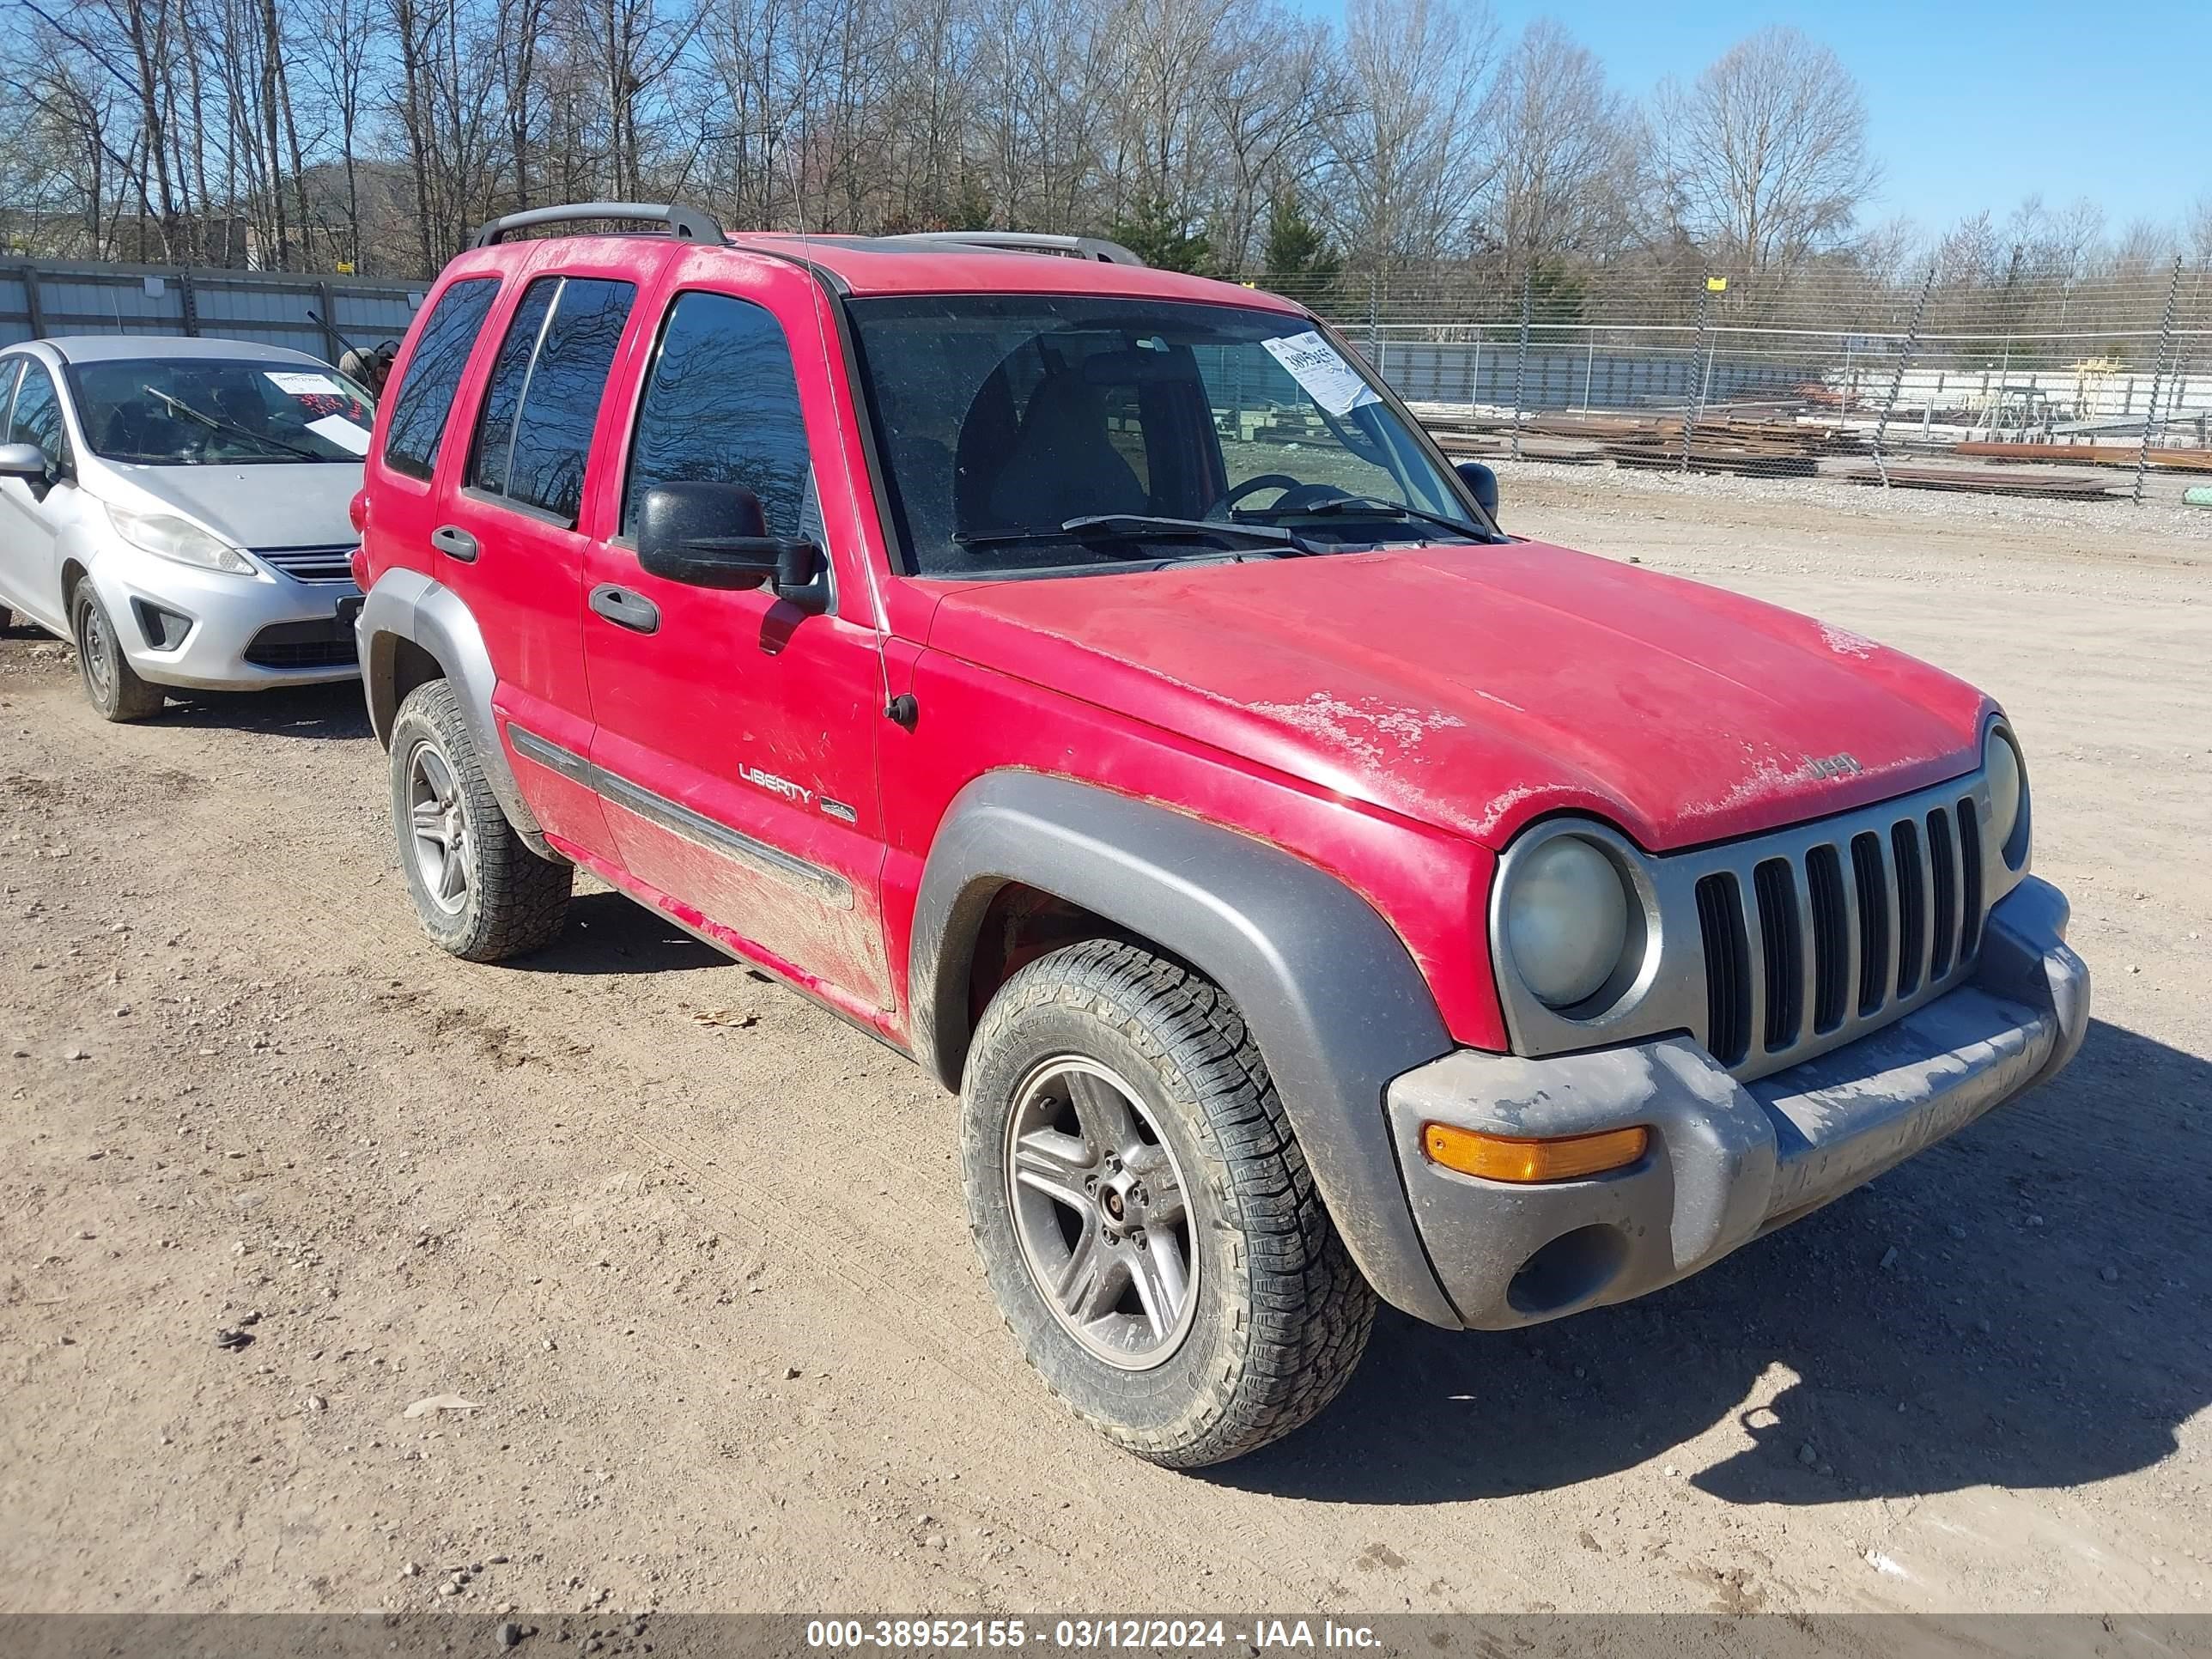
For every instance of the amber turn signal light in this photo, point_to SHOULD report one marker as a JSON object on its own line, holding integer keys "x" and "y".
{"x": 1501, "y": 1157}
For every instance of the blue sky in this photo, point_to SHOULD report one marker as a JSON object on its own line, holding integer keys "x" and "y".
{"x": 1970, "y": 104}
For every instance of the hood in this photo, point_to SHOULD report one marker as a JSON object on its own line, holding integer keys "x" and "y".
{"x": 1477, "y": 689}
{"x": 287, "y": 504}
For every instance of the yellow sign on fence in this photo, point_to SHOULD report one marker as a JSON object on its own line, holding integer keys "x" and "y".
{"x": 1715, "y": 284}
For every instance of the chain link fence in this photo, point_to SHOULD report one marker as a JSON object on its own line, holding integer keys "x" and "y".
{"x": 2088, "y": 391}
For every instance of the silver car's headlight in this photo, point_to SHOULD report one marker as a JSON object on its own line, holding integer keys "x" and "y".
{"x": 2007, "y": 780}
{"x": 1567, "y": 921}
{"x": 170, "y": 537}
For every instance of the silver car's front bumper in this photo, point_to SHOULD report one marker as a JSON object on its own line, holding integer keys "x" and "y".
{"x": 1727, "y": 1161}
{"x": 226, "y": 643}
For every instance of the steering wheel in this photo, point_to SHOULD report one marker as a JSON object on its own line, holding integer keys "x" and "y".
{"x": 1295, "y": 494}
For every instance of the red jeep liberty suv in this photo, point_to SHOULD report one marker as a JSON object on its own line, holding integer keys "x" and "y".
{"x": 1089, "y": 681}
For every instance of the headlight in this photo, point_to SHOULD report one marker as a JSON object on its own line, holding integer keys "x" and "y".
{"x": 2008, "y": 793}
{"x": 171, "y": 538}
{"x": 1566, "y": 920}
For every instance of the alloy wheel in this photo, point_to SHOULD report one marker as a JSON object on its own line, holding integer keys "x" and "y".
{"x": 439, "y": 828}
{"x": 1102, "y": 1213}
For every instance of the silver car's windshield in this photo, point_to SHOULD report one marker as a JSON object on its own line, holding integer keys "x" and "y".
{"x": 1028, "y": 433}
{"x": 207, "y": 411}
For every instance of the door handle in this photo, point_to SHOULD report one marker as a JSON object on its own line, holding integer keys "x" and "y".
{"x": 625, "y": 609}
{"x": 454, "y": 542}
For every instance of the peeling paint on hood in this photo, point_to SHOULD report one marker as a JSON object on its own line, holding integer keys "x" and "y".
{"x": 1476, "y": 688}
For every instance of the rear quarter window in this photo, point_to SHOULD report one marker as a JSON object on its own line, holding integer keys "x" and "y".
{"x": 432, "y": 375}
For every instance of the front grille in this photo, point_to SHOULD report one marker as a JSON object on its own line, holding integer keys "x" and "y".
{"x": 302, "y": 645}
{"x": 310, "y": 564}
{"x": 1811, "y": 939}
{"x": 1727, "y": 969}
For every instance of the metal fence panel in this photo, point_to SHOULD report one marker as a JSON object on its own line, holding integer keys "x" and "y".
{"x": 44, "y": 299}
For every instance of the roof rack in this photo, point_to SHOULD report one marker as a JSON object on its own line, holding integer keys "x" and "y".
{"x": 1022, "y": 241}
{"x": 687, "y": 224}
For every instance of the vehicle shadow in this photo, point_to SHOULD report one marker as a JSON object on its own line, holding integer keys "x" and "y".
{"x": 335, "y": 711}
{"x": 2024, "y": 1306}
{"x": 609, "y": 934}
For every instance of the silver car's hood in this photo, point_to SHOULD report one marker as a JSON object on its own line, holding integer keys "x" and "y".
{"x": 283, "y": 504}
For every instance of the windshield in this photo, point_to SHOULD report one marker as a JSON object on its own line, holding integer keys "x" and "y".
{"x": 1026, "y": 432}
{"x": 214, "y": 411}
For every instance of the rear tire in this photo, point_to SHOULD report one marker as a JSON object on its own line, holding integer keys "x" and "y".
{"x": 111, "y": 684}
{"x": 478, "y": 889}
{"x": 1121, "y": 1140}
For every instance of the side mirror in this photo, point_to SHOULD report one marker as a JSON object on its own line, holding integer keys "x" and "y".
{"x": 1481, "y": 483}
{"x": 26, "y": 461}
{"x": 715, "y": 535}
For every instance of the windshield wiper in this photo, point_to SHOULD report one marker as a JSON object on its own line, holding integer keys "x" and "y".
{"x": 216, "y": 423}
{"x": 1341, "y": 505}
{"x": 1130, "y": 527}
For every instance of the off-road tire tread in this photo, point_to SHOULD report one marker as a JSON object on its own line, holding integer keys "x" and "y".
{"x": 522, "y": 900}
{"x": 1309, "y": 1308}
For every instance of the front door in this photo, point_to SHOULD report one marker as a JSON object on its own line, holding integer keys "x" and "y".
{"x": 30, "y": 521}
{"x": 735, "y": 733}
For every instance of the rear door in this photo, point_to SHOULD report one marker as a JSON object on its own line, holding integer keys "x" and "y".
{"x": 509, "y": 540}
{"x": 735, "y": 733}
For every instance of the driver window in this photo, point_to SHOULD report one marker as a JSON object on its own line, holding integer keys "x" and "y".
{"x": 37, "y": 416}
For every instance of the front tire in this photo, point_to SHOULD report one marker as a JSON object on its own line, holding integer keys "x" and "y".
{"x": 111, "y": 684}
{"x": 478, "y": 889}
{"x": 1145, "y": 1217}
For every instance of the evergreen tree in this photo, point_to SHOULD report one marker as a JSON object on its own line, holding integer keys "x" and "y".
{"x": 1297, "y": 257}
{"x": 1163, "y": 235}
{"x": 971, "y": 205}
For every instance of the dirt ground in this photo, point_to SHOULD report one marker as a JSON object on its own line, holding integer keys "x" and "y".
{"x": 696, "y": 1251}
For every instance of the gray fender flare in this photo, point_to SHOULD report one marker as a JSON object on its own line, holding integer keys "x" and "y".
{"x": 1336, "y": 1001}
{"x": 406, "y": 605}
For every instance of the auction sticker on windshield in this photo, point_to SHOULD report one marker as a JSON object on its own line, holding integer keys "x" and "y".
{"x": 304, "y": 384}
{"x": 1317, "y": 365}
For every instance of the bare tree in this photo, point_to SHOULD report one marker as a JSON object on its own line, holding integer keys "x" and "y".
{"x": 1560, "y": 154}
{"x": 1765, "y": 154}
{"x": 1409, "y": 149}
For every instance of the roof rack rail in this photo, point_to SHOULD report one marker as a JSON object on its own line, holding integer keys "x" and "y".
{"x": 687, "y": 224}
{"x": 1022, "y": 242}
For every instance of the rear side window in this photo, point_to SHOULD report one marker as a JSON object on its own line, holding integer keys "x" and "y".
{"x": 534, "y": 435}
{"x": 37, "y": 418}
{"x": 425, "y": 397}
{"x": 722, "y": 404}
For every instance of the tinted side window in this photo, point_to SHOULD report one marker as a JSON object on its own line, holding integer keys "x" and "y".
{"x": 503, "y": 396}
{"x": 561, "y": 395}
{"x": 722, "y": 403}
{"x": 425, "y": 397}
{"x": 38, "y": 415}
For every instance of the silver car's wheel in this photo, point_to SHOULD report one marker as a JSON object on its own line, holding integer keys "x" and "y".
{"x": 95, "y": 642}
{"x": 1099, "y": 1207}
{"x": 111, "y": 684}
{"x": 441, "y": 829}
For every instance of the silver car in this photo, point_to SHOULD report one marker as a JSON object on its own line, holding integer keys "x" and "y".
{"x": 179, "y": 509}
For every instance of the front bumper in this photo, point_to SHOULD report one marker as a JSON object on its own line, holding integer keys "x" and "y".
{"x": 225, "y": 618}
{"x": 1727, "y": 1161}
